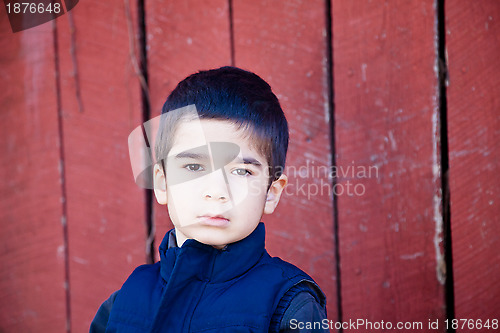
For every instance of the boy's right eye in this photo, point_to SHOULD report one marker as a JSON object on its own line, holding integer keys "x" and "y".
{"x": 194, "y": 167}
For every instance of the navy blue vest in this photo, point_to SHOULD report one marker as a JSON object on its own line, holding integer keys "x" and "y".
{"x": 197, "y": 288}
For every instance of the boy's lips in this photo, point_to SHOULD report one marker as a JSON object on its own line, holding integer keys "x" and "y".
{"x": 213, "y": 220}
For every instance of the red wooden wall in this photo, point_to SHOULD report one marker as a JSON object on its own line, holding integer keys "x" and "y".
{"x": 360, "y": 84}
{"x": 386, "y": 115}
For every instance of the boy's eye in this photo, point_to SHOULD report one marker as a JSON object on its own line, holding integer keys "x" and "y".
{"x": 241, "y": 172}
{"x": 194, "y": 167}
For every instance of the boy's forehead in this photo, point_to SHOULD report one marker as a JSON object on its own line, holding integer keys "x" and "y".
{"x": 192, "y": 133}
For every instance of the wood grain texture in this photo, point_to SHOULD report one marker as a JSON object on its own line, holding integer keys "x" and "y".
{"x": 386, "y": 116}
{"x": 284, "y": 42}
{"x": 184, "y": 37}
{"x": 100, "y": 96}
{"x": 32, "y": 273}
{"x": 473, "y": 46}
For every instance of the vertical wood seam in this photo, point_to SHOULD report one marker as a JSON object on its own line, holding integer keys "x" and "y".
{"x": 62, "y": 173}
{"x": 445, "y": 188}
{"x": 231, "y": 31}
{"x": 146, "y": 114}
{"x": 331, "y": 111}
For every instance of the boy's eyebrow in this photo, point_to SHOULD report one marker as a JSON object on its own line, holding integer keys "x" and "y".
{"x": 197, "y": 156}
{"x": 251, "y": 160}
{"x": 188, "y": 154}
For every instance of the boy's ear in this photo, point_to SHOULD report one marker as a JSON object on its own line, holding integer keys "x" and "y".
{"x": 274, "y": 194}
{"x": 160, "y": 186}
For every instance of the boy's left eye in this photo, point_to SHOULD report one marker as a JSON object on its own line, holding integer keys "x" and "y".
{"x": 194, "y": 167}
{"x": 241, "y": 172}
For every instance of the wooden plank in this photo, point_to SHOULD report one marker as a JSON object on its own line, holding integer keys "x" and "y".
{"x": 183, "y": 37}
{"x": 386, "y": 116}
{"x": 474, "y": 142}
{"x": 284, "y": 42}
{"x": 100, "y": 96}
{"x": 32, "y": 256}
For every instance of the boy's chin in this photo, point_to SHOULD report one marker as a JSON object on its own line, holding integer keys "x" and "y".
{"x": 216, "y": 240}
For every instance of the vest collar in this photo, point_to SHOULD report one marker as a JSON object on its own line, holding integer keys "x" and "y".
{"x": 195, "y": 260}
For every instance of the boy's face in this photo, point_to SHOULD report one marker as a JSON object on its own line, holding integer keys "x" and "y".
{"x": 216, "y": 183}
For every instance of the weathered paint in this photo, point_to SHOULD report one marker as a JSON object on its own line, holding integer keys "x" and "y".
{"x": 100, "y": 103}
{"x": 386, "y": 116}
{"x": 32, "y": 253}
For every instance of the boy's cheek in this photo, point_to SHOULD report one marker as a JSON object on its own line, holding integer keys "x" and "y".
{"x": 180, "y": 203}
{"x": 258, "y": 187}
{"x": 242, "y": 190}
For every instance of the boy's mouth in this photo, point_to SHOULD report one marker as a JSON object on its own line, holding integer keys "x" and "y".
{"x": 213, "y": 220}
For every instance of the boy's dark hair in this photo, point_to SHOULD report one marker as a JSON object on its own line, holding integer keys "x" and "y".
{"x": 235, "y": 95}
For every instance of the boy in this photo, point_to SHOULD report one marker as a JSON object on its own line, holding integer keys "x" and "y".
{"x": 221, "y": 150}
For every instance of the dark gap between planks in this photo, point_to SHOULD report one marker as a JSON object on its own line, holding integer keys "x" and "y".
{"x": 146, "y": 115}
{"x": 231, "y": 30}
{"x": 331, "y": 110}
{"x": 62, "y": 171}
{"x": 445, "y": 188}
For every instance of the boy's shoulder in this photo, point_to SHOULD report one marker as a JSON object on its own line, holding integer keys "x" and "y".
{"x": 142, "y": 280}
{"x": 302, "y": 281}
{"x": 289, "y": 270}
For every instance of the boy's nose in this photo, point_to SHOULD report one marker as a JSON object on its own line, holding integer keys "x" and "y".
{"x": 216, "y": 187}
{"x": 221, "y": 197}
